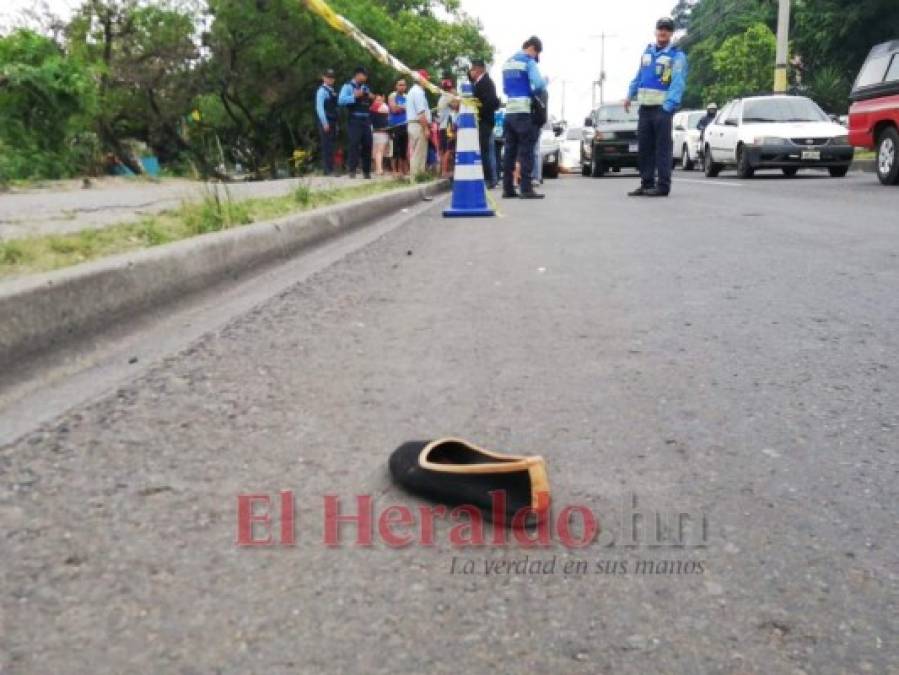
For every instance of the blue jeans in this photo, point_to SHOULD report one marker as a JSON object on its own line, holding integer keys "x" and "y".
{"x": 656, "y": 148}
{"x": 520, "y": 134}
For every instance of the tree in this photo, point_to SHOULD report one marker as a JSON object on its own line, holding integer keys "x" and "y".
{"x": 829, "y": 40}
{"x": 145, "y": 59}
{"x": 46, "y": 101}
{"x": 744, "y": 64}
{"x": 202, "y": 81}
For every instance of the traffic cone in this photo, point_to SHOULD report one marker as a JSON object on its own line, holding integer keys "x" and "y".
{"x": 469, "y": 189}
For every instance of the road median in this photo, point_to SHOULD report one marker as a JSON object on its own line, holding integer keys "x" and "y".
{"x": 41, "y": 312}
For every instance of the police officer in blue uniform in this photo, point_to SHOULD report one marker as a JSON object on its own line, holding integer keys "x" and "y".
{"x": 521, "y": 81}
{"x": 658, "y": 88}
{"x": 356, "y": 97}
{"x": 326, "y": 116}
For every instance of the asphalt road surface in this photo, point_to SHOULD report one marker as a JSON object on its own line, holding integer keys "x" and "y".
{"x": 728, "y": 353}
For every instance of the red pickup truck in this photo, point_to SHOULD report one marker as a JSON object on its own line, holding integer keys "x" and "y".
{"x": 874, "y": 115}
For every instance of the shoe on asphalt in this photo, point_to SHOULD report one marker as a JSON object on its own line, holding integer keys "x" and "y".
{"x": 533, "y": 195}
{"x": 655, "y": 192}
{"x": 510, "y": 195}
{"x": 639, "y": 192}
{"x": 455, "y": 472}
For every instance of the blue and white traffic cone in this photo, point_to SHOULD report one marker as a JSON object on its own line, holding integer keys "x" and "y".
{"x": 469, "y": 189}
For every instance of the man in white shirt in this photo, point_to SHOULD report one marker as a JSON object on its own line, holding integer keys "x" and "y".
{"x": 418, "y": 114}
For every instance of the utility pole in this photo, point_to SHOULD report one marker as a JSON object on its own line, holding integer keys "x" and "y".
{"x": 783, "y": 47}
{"x": 602, "y": 68}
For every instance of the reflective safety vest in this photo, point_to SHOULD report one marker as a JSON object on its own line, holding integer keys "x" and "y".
{"x": 359, "y": 108}
{"x": 656, "y": 71}
{"x": 517, "y": 84}
{"x": 330, "y": 103}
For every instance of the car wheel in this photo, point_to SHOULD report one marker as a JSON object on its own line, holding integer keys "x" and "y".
{"x": 711, "y": 168}
{"x": 686, "y": 162}
{"x": 838, "y": 171}
{"x": 887, "y": 159}
{"x": 598, "y": 169}
{"x": 586, "y": 170}
{"x": 744, "y": 169}
{"x": 790, "y": 171}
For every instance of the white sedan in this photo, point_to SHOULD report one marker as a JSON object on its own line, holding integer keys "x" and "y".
{"x": 686, "y": 137}
{"x": 776, "y": 132}
{"x": 571, "y": 149}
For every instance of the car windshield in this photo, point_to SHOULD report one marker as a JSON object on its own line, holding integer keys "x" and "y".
{"x": 574, "y": 134}
{"x": 873, "y": 71}
{"x": 693, "y": 120}
{"x": 794, "y": 109}
{"x": 615, "y": 114}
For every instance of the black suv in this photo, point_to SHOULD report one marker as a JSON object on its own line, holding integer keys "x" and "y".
{"x": 610, "y": 140}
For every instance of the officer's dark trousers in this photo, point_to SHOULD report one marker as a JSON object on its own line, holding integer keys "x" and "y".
{"x": 328, "y": 140}
{"x": 521, "y": 135}
{"x": 360, "y": 142}
{"x": 485, "y": 136}
{"x": 656, "y": 148}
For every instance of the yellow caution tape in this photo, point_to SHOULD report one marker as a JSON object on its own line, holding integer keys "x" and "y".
{"x": 344, "y": 25}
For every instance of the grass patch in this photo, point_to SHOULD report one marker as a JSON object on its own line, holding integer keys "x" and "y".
{"x": 215, "y": 212}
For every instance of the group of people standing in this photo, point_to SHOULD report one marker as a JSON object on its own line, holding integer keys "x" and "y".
{"x": 405, "y": 119}
{"x": 395, "y": 128}
{"x": 400, "y": 127}
{"x": 374, "y": 122}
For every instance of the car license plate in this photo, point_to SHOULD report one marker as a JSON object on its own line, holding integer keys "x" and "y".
{"x": 633, "y": 147}
{"x": 811, "y": 155}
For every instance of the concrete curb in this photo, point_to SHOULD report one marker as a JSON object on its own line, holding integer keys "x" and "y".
{"x": 41, "y": 312}
{"x": 865, "y": 165}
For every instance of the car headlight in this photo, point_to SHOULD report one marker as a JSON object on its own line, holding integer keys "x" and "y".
{"x": 839, "y": 140}
{"x": 768, "y": 140}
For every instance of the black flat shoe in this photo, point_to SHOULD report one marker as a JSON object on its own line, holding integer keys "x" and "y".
{"x": 455, "y": 472}
{"x": 639, "y": 192}
{"x": 510, "y": 195}
{"x": 654, "y": 192}
{"x": 532, "y": 195}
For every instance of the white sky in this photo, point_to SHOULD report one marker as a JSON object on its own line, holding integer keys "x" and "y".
{"x": 570, "y": 32}
{"x": 569, "y": 29}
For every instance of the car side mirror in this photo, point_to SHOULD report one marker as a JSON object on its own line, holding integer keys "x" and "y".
{"x": 588, "y": 122}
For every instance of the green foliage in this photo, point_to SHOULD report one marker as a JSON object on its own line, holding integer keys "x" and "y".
{"x": 829, "y": 40}
{"x": 303, "y": 194}
{"x": 215, "y": 213}
{"x": 203, "y": 85}
{"x": 12, "y": 253}
{"x": 46, "y": 100}
{"x": 744, "y": 64}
